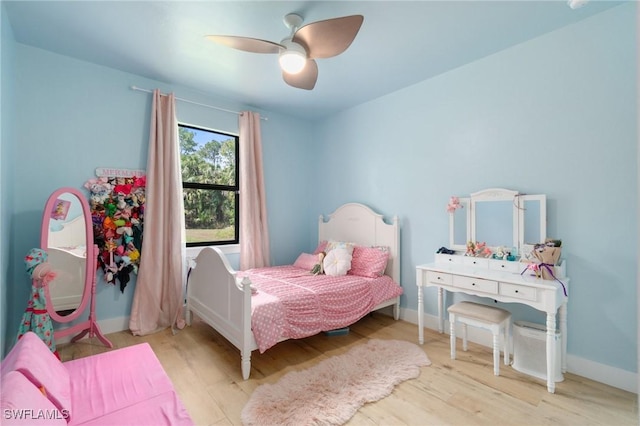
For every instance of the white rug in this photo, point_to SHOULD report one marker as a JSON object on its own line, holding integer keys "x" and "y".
{"x": 332, "y": 391}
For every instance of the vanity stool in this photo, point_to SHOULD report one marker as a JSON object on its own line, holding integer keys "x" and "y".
{"x": 496, "y": 320}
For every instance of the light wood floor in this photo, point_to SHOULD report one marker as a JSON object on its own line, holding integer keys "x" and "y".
{"x": 205, "y": 370}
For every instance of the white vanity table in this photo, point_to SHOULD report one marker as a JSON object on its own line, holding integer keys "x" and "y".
{"x": 500, "y": 280}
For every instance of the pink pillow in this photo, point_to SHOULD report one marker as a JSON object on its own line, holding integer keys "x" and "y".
{"x": 322, "y": 245}
{"x": 369, "y": 261}
{"x": 307, "y": 261}
{"x": 22, "y": 402}
{"x": 32, "y": 357}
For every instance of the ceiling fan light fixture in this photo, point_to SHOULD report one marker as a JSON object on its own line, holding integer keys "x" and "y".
{"x": 576, "y": 4}
{"x": 293, "y": 58}
{"x": 299, "y": 50}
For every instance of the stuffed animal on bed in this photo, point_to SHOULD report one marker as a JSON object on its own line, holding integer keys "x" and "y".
{"x": 318, "y": 268}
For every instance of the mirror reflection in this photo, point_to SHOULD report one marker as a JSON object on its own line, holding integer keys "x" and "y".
{"x": 459, "y": 232}
{"x": 67, "y": 252}
{"x": 494, "y": 223}
{"x": 533, "y": 218}
{"x": 531, "y": 222}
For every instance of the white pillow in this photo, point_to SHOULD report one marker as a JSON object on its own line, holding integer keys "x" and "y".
{"x": 332, "y": 245}
{"x": 337, "y": 262}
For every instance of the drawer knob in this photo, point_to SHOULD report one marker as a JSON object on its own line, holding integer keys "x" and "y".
{"x": 502, "y": 266}
{"x": 517, "y": 291}
{"x": 473, "y": 283}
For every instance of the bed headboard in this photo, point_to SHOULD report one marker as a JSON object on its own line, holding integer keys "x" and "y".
{"x": 359, "y": 224}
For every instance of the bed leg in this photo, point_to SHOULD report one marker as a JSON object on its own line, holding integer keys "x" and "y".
{"x": 246, "y": 365}
{"x": 396, "y": 311}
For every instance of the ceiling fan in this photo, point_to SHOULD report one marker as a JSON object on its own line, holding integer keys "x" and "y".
{"x": 298, "y": 51}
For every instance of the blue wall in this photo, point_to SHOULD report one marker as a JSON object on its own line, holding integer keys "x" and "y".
{"x": 6, "y": 168}
{"x": 555, "y": 115}
{"x": 74, "y": 116}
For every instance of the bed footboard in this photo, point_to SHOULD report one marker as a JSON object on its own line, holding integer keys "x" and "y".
{"x": 217, "y": 298}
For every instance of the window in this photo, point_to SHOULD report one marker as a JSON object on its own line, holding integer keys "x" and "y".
{"x": 209, "y": 161}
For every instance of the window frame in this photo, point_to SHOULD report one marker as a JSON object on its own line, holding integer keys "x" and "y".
{"x": 217, "y": 187}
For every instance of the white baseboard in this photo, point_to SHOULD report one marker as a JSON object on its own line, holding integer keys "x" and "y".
{"x": 616, "y": 377}
{"x": 111, "y": 325}
{"x": 612, "y": 376}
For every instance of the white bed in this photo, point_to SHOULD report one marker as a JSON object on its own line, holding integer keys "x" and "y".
{"x": 223, "y": 301}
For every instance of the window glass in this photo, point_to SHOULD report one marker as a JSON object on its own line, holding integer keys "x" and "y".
{"x": 210, "y": 185}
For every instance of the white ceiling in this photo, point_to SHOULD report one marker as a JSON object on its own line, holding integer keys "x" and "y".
{"x": 400, "y": 43}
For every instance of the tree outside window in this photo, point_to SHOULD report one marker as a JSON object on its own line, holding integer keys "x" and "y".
{"x": 209, "y": 161}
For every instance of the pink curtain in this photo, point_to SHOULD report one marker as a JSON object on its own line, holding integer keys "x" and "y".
{"x": 254, "y": 233}
{"x": 157, "y": 301}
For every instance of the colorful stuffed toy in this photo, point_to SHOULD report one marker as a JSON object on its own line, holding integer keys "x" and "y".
{"x": 36, "y": 317}
{"x": 318, "y": 268}
{"x": 481, "y": 250}
{"x": 471, "y": 249}
{"x": 117, "y": 210}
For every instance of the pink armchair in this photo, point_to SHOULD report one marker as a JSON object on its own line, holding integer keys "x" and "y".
{"x": 126, "y": 386}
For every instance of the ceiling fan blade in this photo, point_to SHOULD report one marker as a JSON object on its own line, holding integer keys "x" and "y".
{"x": 324, "y": 39}
{"x": 305, "y": 79}
{"x": 248, "y": 44}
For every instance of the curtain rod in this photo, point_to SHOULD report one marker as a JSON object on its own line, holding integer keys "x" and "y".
{"x": 139, "y": 89}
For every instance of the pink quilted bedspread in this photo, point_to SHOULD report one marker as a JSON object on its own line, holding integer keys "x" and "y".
{"x": 291, "y": 303}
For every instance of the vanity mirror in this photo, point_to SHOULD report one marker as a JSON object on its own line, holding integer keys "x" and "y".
{"x": 494, "y": 217}
{"x": 67, "y": 237}
{"x": 533, "y": 219}
{"x": 459, "y": 225}
{"x": 500, "y": 218}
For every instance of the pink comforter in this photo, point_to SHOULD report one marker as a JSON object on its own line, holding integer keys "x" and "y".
{"x": 291, "y": 303}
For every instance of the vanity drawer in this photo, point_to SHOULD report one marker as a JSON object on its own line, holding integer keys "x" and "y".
{"x": 480, "y": 262}
{"x": 518, "y": 291}
{"x": 448, "y": 258}
{"x": 505, "y": 265}
{"x": 439, "y": 278}
{"x": 478, "y": 284}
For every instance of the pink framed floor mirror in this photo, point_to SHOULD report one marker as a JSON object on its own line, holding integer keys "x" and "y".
{"x": 67, "y": 237}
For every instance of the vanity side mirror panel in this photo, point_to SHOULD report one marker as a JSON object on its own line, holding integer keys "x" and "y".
{"x": 460, "y": 225}
{"x": 533, "y": 210}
